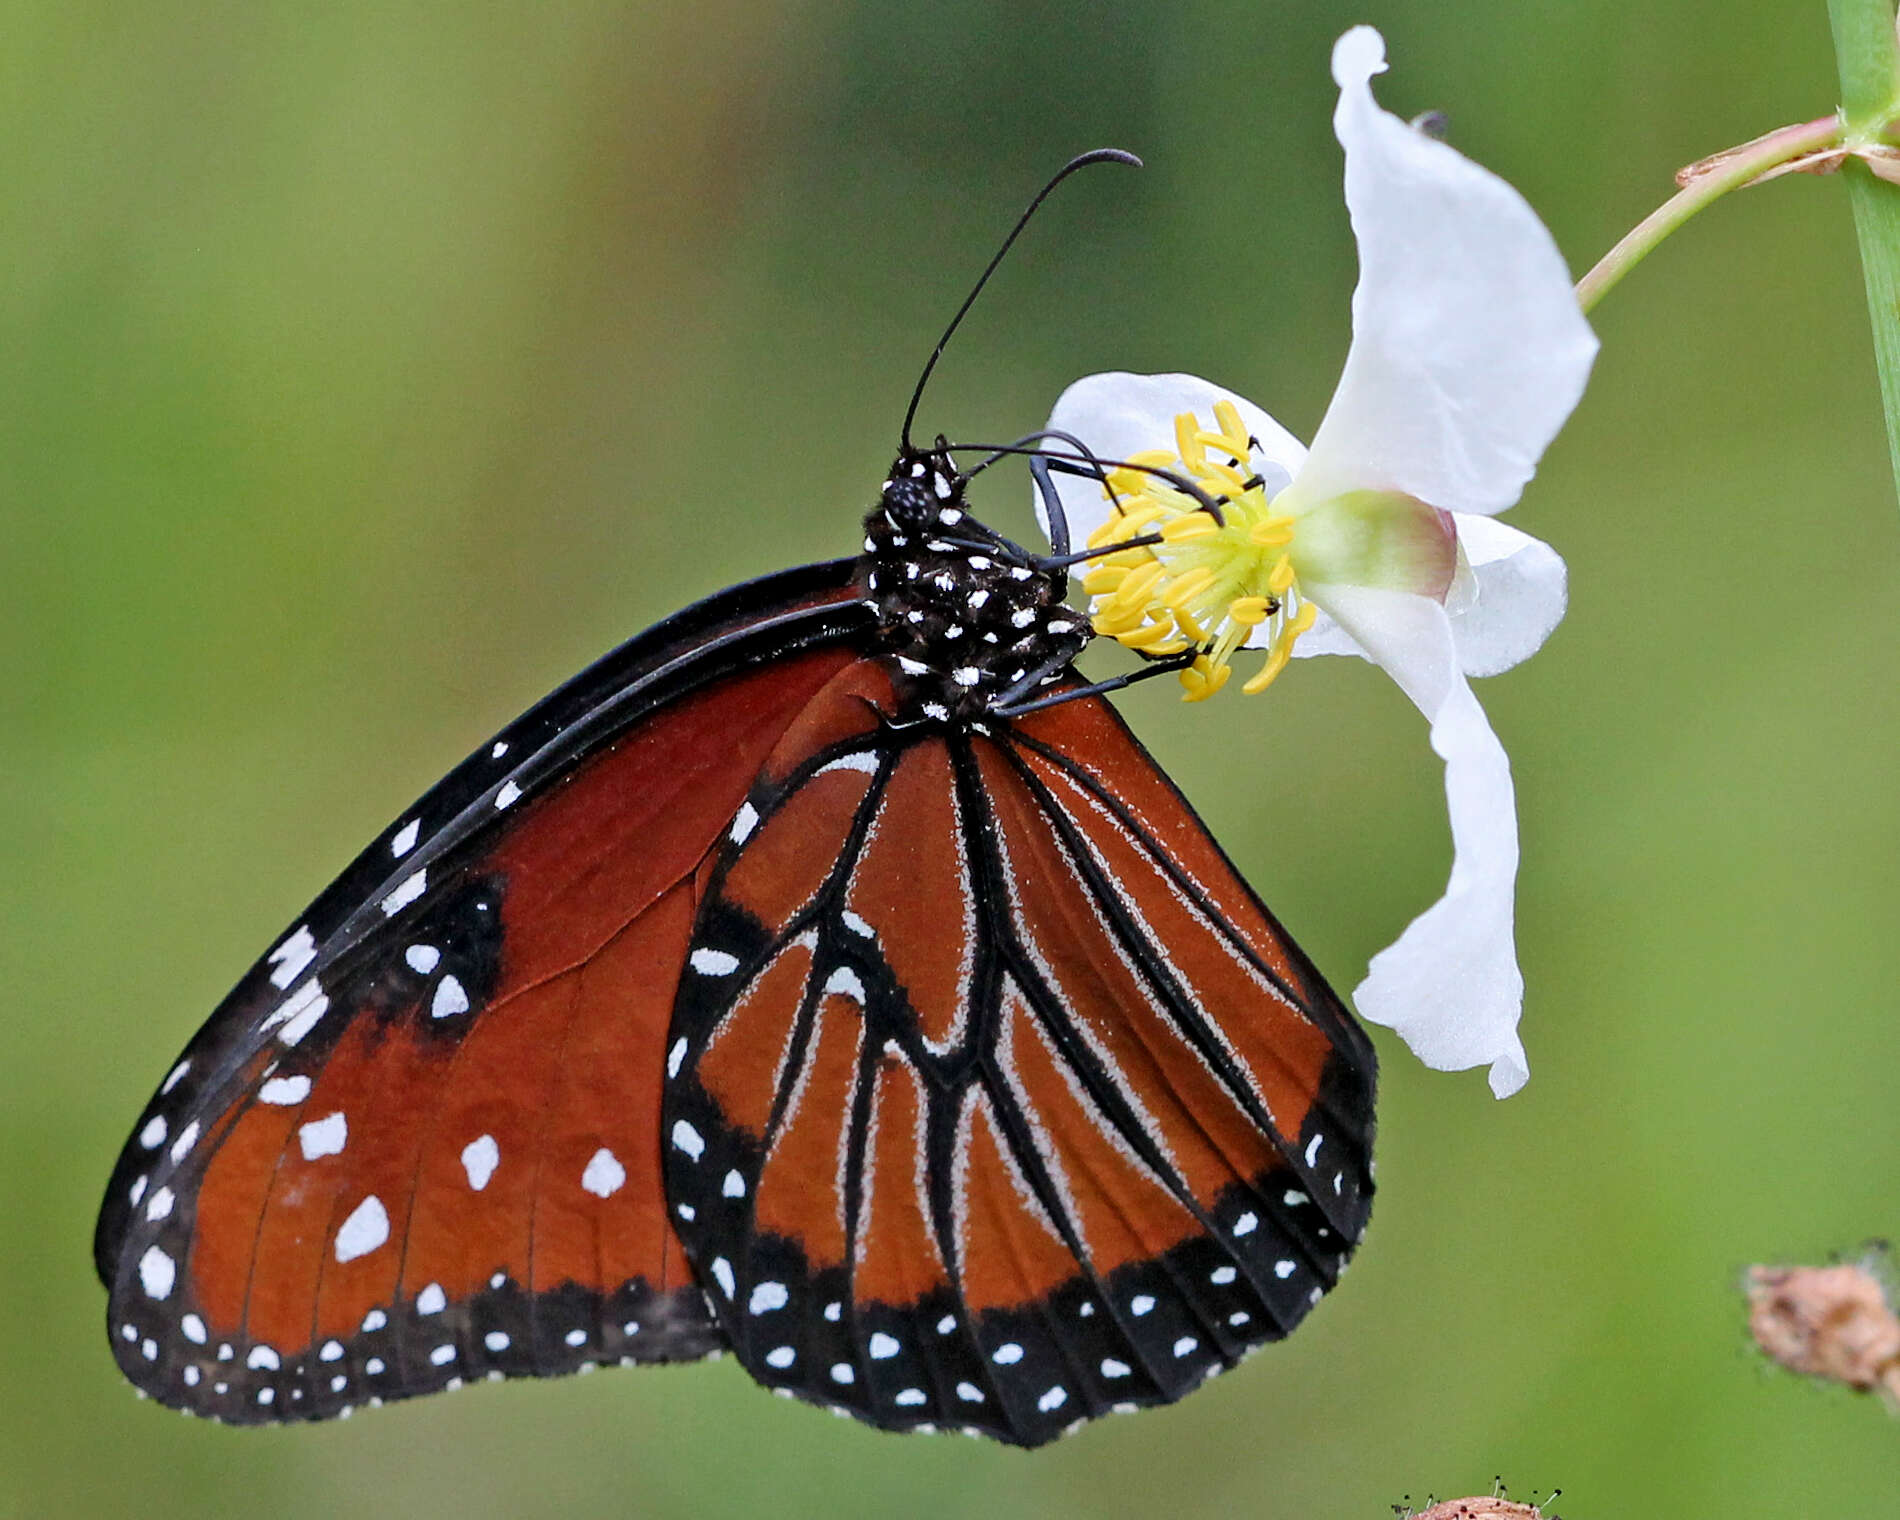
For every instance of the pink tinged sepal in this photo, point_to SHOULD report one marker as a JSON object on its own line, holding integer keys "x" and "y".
{"x": 1469, "y": 349}
{"x": 1450, "y": 984}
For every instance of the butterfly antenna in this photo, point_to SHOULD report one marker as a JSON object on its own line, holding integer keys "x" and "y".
{"x": 1098, "y": 156}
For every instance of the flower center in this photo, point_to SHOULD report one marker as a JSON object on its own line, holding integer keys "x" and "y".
{"x": 1207, "y": 585}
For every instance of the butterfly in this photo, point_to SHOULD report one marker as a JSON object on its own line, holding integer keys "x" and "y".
{"x": 826, "y": 975}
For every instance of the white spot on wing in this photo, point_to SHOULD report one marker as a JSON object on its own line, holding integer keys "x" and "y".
{"x": 157, "y": 1273}
{"x": 743, "y": 823}
{"x": 411, "y": 887}
{"x": 1247, "y": 1223}
{"x": 406, "y": 837}
{"x": 883, "y": 1347}
{"x": 714, "y": 962}
{"x": 422, "y": 959}
{"x": 508, "y": 796}
{"x": 766, "y": 1297}
{"x": 862, "y": 760}
{"x": 480, "y": 1157}
{"x": 604, "y": 1175}
{"x": 284, "y": 1091}
{"x": 1114, "y": 1369}
{"x": 1283, "y": 1269}
{"x": 153, "y": 1135}
{"x": 733, "y": 1186}
{"x": 431, "y": 1300}
{"x": 969, "y": 1393}
{"x": 845, "y": 980}
{"x": 194, "y": 1329}
{"x": 450, "y": 999}
{"x": 187, "y": 1138}
{"x": 289, "y": 958}
{"x": 323, "y": 1137}
{"x": 780, "y": 1357}
{"x": 676, "y": 1056}
{"x": 1312, "y": 1149}
{"x": 722, "y": 1274}
{"x": 263, "y": 1359}
{"x": 365, "y": 1230}
{"x": 496, "y": 1340}
{"x": 1053, "y": 1399}
{"x": 176, "y": 1072}
{"x": 1006, "y": 1354}
{"x": 687, "y": 1139}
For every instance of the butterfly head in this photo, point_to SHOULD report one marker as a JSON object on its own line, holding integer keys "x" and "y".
{"x": 969, "y": 620}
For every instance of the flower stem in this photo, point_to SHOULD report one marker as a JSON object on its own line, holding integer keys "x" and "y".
{"x": 1864, "y": 47}
{"x": 1710, "y": 182}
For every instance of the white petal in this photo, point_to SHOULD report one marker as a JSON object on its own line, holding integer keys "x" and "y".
{"x": 1118, "y": 414}
{"x": 1468, "y": 348}
{"x": 1511, "y": 594}
{"x": 1516, "y": 597}
{"x": 1450, "y": 985}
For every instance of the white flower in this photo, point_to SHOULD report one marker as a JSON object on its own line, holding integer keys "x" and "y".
{"x": 1468, "y": 352}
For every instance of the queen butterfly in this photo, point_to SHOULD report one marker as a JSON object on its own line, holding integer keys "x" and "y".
{"x": 826, "y": 974}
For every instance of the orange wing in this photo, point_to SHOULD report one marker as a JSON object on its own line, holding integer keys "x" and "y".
{"x": 410, "y": 1155}
{"x": 996, "y": 1098}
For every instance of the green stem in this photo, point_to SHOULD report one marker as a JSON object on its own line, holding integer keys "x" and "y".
{"x": 1726, "y": 172}
{"x": 1864, "y": 47}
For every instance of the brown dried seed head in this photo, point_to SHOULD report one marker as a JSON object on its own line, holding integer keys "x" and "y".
{"x": 1829, "y": 1322}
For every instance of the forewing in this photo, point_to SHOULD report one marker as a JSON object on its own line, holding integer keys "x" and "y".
{"x": 419, "y": 1142}
{"x": 996, "y": 1099}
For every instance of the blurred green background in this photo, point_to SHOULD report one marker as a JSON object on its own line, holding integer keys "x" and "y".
{"x": 366, "y": 369}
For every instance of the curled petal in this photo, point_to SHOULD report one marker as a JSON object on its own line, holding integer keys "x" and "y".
{"x": 1119, "y": 415}
{"x": 1510, "y": 594}
{"x": 1468, "y": 347}
{"x": 1516, "y": 595}
{"x": 1450, "y": 985}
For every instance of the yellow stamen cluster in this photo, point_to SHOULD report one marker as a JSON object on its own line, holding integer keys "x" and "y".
{"x": 1208, "y": 584}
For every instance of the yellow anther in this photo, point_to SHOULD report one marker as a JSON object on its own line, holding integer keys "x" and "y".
{"x": 1272, "y": 532}
{"x": 1133, "y": 592}
{"x": 1103, "y": 579}
{"x": 1186, "y": 586}
{"x": 1153, "y": 638}
{"x": 1228, "y": 416}
{"x": 1190, "y": 630}
{"x": 1280, "y": 578}
{"x": 1187, "y": 440}
{"x": 1202, "y": 679}
{"x": 1276, "y": 662}
{"x": 1249, "y": 610}
{"x": 1188, "y": 526}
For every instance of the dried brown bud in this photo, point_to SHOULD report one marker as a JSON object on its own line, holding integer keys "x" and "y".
{"x": 1828, "y": 1322}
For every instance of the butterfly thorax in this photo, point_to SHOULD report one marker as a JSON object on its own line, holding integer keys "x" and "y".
{"x": 968, "y": 620}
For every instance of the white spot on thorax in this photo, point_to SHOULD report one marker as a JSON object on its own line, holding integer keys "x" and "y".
{"x": 604, "y": 1175}
{"x": 480, "y": 1157}
{"x": 406, "y": 837}
{"x": 365, "y": 1230}
{"x": 157, "y": 1273}
{"x": 323, "y": 1137}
